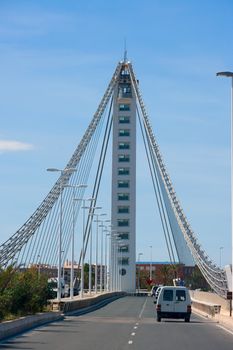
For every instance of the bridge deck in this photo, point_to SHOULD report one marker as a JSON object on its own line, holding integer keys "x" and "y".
{"x": 127, "y": 323}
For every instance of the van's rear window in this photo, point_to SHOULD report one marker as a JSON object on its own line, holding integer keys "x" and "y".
{"x": 180, "y": 295}
{"x": 168, "y": 295}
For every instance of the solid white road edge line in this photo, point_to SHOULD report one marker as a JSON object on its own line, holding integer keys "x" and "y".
{"x": 215, "y": 322}
{"x": 225, "y": 329}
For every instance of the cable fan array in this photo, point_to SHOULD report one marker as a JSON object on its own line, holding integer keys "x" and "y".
{"x": 37, "y": 238}
{"x": 215, "y": 276}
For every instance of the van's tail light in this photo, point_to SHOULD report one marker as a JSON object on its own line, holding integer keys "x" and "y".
{"x": 189, "y": 308}
{"x": 158, "y": 307}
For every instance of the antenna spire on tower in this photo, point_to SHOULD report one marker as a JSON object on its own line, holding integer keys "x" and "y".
{"x": 125, "y": 51}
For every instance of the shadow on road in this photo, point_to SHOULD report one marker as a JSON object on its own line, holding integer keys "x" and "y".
{"x": 191, "y": 321}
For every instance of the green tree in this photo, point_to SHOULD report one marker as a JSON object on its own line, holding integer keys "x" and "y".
{"x": 197, "y": 281}
{"x": 166, "y": 274}
{"x": 22, "y": 292}
{"x": 86, "y": 276}
{"x": 6, "y": 301}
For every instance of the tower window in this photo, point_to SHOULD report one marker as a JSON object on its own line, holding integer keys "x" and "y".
{"x": 123, "y": 184}
{"x": 123, "y": 171}
{"x": 123, "y": 196}
{"x": 124, "y": 107}
{"x": 125, "y": 91}
{"x": 123, "y": 145}
{"x": 123, "y": 235}
{"x": 123, "y": 209}
{"x": 124, "y": 132}
{"x": 122, "y": 222}
{"x": 124, "y": 119}
{"x": 123, "y": 158}
{"x": 125, "y": 71}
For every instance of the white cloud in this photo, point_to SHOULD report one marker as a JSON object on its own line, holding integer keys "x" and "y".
{"x": 14, "y": 146}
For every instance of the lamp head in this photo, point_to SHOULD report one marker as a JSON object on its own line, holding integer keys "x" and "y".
{"x": 225, "y": 74}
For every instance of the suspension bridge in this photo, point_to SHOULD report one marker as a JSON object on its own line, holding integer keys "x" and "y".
{"x": 49, "y": 231}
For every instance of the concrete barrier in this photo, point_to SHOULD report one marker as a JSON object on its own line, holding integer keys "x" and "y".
{"x": 209, "y": 303}
{"x": 212, "y": 298}
{"x": 68, "y": 305}
{"x": 11, "y": 328}
{"x": 210, "y": 309}
{"x": 139, "y": 294}
{"x": 79, "y": 306}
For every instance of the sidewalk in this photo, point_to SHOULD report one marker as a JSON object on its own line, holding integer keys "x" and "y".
{"x": 223, "y": 318}
{"x": 207, "y": 299}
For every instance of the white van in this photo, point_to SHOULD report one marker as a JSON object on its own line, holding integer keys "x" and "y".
{"x": 173, "y": 302}
{"x": 53, "y": 282}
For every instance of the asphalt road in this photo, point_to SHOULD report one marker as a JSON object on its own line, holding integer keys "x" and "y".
{"x": 127, "y": 323}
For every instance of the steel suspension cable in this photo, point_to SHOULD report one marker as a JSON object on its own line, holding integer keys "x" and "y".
{"x": 9, "y": 249}
{"x": 156, "y": 190}
{"x": 97, "y": 179}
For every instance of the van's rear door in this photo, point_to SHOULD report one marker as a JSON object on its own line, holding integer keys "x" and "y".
{"x": 180, "y": 300}
{"x": 167, "y": 304}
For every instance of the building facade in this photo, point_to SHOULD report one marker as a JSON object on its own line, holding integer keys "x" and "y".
{"x": 162, "y": 273}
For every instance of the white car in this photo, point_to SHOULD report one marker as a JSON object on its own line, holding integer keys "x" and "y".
{"x": 157, "y": 293}
{"x": 153, "y": 291}
{"x": 173, "y": 302}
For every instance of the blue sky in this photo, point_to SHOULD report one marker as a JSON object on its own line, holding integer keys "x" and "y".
{"x": 56, "y": 58}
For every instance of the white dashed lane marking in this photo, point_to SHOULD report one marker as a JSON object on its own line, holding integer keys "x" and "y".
{"x": 143, "y": 308}
{"x": 137, "y": 324}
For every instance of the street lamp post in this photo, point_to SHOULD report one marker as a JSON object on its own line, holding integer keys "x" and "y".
{"x": 90, "y": 257}
{"x": 139, "y": 254}
{"x": 230, "y": 75}
{"x": 62, "y": 171}
{"x": 111, "y": 259}
{"x": 83, "y": 241}
{"x": 72, "y": 241}
{"x": 96, "y": 253}
{"x": 106, "y": 264}
{"x": 90, "y": 250}
{"x": 150, "y": 263}
{"x": 101, "y": 253}
{"x": 121, "y": 247}
{"x": 82, "y": 267}
{"x": 114, "y": 262}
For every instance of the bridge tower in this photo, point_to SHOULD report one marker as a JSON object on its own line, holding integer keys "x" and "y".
{"x": 124, "y": 180}
{"x": 39, "y": 234}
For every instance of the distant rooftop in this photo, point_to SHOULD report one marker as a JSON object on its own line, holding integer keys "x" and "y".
{"x": 155, "y": 262}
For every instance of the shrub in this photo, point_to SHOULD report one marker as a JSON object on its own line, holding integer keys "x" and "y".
{"x": 22, "y": 292}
